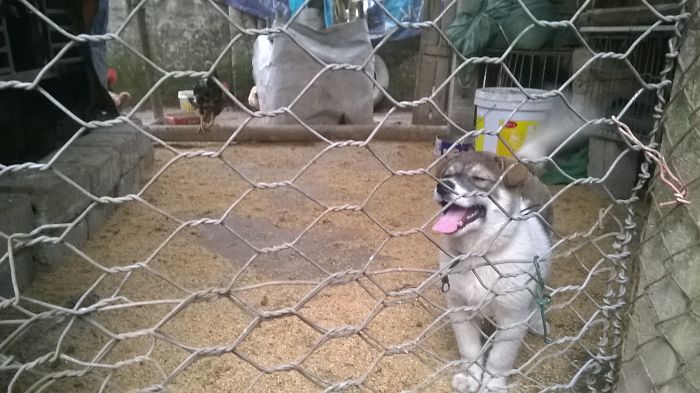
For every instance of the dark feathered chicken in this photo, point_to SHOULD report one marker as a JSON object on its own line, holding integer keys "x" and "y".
{"x": 209, "y": 101}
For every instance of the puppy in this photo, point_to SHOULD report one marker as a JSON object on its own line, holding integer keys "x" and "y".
{"x": 501, "y": 235}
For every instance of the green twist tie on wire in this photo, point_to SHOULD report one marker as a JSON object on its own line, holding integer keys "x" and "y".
{"x": 542, "y": 300}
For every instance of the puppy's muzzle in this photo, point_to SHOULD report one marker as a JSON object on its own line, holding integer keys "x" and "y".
{"x": 445, "y": 188}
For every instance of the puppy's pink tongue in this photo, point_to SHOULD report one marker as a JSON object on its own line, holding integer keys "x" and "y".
{"x": 449, "y": 221}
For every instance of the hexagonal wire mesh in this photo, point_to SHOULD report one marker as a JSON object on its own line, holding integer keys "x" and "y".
{"x": 250, "y": 268}
{"x": 659, "y": 350}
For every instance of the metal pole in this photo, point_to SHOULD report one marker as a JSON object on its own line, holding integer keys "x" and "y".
{"x": 156, "y": 100}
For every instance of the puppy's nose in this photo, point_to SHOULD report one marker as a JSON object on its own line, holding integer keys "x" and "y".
{"x": 445, "y": 187}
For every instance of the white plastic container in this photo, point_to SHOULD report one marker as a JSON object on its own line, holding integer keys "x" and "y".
{"x": 183, "y": 96}
{"x": 494, "y": 106}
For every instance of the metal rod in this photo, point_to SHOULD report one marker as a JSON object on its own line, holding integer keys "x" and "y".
{"x": 623, "y": 29}
{"x": 532, "y": 68}
{"x": 544, "y": 71}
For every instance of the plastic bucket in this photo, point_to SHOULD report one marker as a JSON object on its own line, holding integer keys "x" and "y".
{"x": 185, "y": 105}
{"x": 494, "y": 106}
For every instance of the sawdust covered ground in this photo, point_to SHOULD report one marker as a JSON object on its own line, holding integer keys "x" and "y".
{"x": 404, "y": 343}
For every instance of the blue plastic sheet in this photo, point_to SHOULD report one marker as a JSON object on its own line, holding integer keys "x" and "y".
{"x": 264, "y": 9}
{"x": 409, "y": 11}
{"x": 379, "y": 23}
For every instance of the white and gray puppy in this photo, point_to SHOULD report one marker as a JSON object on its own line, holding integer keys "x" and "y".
{"x": 498, "y": 237}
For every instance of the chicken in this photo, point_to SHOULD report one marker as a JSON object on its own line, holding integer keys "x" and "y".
{"x": 208, "y": 99}
{"x": 120, "y": 99}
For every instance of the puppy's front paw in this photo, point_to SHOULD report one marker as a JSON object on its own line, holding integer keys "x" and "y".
{"x": 469, "y": 381}
{"x": 494, "y": 385}
{"x": 463, "y": 383}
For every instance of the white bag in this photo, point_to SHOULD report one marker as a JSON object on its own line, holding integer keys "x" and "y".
{"x": 337, "y": 96}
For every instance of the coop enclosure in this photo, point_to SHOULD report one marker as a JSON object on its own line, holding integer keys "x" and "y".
{"x": 129, "y": 262}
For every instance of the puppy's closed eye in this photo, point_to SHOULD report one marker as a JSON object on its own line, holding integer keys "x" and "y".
{"x": 479, "y": 179}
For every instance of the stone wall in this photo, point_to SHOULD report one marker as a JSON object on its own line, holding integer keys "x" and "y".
{"x": 183, "y": 35}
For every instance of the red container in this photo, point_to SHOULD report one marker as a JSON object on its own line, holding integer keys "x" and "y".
{"x": 182, "y": 118}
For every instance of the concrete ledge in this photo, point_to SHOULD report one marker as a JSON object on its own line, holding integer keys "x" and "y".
{"x": 15, "y": 217}
{"x": 52, "y": 199}
{"x": 97, "y": 217}
{"x": 122, "y": 143}
{"x": 105, "y": 162}
{"x": 101, "y": 166}
{"x": 51, "y": 254}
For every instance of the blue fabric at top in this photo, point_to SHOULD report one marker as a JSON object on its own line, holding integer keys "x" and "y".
{"x": 409, "y": 11}
{"x": 378, "y": 22}
{"x": 263, "y": 9}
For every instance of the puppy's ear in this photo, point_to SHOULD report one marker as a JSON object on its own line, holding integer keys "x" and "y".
{"x": 445, "y": 162}
{"x": 516, "y": 172}
{"x": 439, "y": 169}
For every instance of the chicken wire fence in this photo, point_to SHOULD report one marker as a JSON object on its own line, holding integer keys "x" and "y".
{"x": 659, "y": 350}
{"x": 350, "y": 300}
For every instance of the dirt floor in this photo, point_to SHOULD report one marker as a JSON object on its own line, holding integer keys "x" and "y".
{"x": 200, "y": 296}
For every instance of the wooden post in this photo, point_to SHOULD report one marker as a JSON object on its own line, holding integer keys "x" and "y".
{"x": 460, "y": 108}
{"x": 433, "y": 66}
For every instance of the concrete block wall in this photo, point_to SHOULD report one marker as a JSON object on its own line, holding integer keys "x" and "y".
{"x": 105, "y": 162}
{"x": 14, "y": 211}
{"x": 661, "y": 351}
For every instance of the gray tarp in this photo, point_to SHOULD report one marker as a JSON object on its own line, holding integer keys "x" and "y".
{"x": 337, "y": 94}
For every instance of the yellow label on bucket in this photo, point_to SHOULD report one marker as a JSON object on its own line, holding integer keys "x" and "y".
{"x": 185, "y": 105}
{"x": 513, "y": 134}
{"x": 479, "y": 142}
